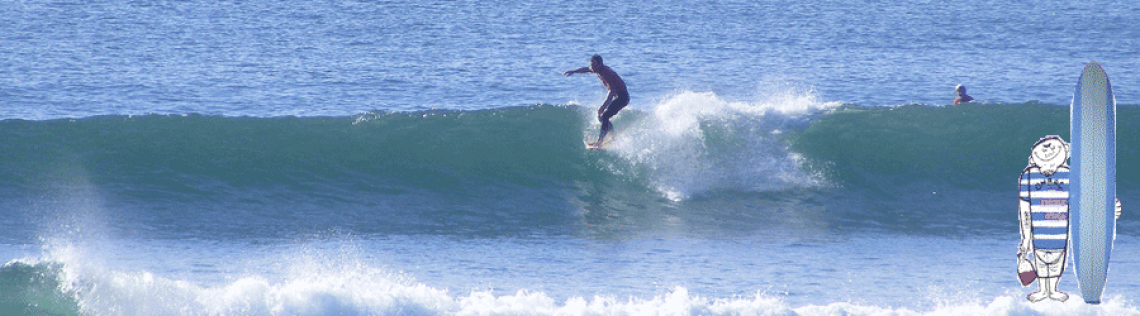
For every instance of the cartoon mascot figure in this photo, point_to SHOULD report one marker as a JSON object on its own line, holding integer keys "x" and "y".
{"x": 1044, "y": 212}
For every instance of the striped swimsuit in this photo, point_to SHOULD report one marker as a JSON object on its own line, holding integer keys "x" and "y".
{"x": 1048, "y": 199}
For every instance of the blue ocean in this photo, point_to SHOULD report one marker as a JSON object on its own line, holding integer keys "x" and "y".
{"x": 326, "y": 157}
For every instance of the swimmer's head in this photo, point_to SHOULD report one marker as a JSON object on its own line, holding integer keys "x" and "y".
{"x": 596, "y": 60}
{"x": 1049, "y": 153}
{"x": 960, "y": 89}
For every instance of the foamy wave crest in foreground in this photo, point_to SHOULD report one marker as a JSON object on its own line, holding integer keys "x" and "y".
{"x": 694, "y": 142}
{"x": 352, "y": 289}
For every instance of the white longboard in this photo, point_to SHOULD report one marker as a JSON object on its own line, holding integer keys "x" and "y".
{"x": 611, "y": 138}
{"x": 1092, "y": 199}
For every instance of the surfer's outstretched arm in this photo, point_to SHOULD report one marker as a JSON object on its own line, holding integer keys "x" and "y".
{"x": 582, "y": 70}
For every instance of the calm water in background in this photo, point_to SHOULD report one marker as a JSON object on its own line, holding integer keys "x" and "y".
{"x": 331, "y": 158}
{"x": 259, "y": 58}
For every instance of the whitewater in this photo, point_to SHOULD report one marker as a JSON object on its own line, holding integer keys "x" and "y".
{"x": 406, "y": 158}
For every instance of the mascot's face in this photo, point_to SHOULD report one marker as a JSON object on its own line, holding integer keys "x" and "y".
{"x": 1050, "y": 154}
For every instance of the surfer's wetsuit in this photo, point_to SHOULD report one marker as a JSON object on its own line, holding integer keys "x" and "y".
{"x": 612, "y": 106}
{"x": 1048, "y": 198}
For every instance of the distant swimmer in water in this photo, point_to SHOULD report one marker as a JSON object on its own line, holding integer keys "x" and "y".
{"x": 617, "y": 99}
{"x": 962, "y": 96}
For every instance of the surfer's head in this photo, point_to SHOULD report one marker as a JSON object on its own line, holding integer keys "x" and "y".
{"x": 1049, "y": 153}
{"x": 596, "y": 60}
{"x": 960, "y": 89}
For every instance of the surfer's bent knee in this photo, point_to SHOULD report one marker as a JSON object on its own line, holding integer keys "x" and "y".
{"x": 619, "y": 102}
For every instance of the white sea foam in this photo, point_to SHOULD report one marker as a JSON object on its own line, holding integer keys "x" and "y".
{"x": 366, "y": 292}
{"x": 694, "y": 142}
{"x": 341, "y": 285}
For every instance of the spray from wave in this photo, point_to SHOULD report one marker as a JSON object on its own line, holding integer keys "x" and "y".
{"x": 695, "y": 142}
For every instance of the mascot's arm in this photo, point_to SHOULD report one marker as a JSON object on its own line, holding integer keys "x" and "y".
{"x": 1026, "y": 219}
{"x": 1024, "y": 216}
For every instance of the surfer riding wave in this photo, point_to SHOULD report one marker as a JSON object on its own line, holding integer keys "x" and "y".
{"x": 617, "y": 98}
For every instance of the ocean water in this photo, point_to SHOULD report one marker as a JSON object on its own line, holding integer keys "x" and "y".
{"x": 405, "y": 158}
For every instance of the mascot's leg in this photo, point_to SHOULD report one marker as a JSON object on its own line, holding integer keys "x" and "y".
{"x": 1050, "y": 265}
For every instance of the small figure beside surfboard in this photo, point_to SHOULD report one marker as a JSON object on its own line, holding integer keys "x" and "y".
{"x": 1071, "y": 213}
{"x": 617, "y": 98}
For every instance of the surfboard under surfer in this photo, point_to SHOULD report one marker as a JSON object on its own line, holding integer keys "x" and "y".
{"x": 617, "y": 99}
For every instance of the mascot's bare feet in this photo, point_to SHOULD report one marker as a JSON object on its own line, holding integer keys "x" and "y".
{"x": 1037, "y": 296}
{"x": 1059, "y": 296}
